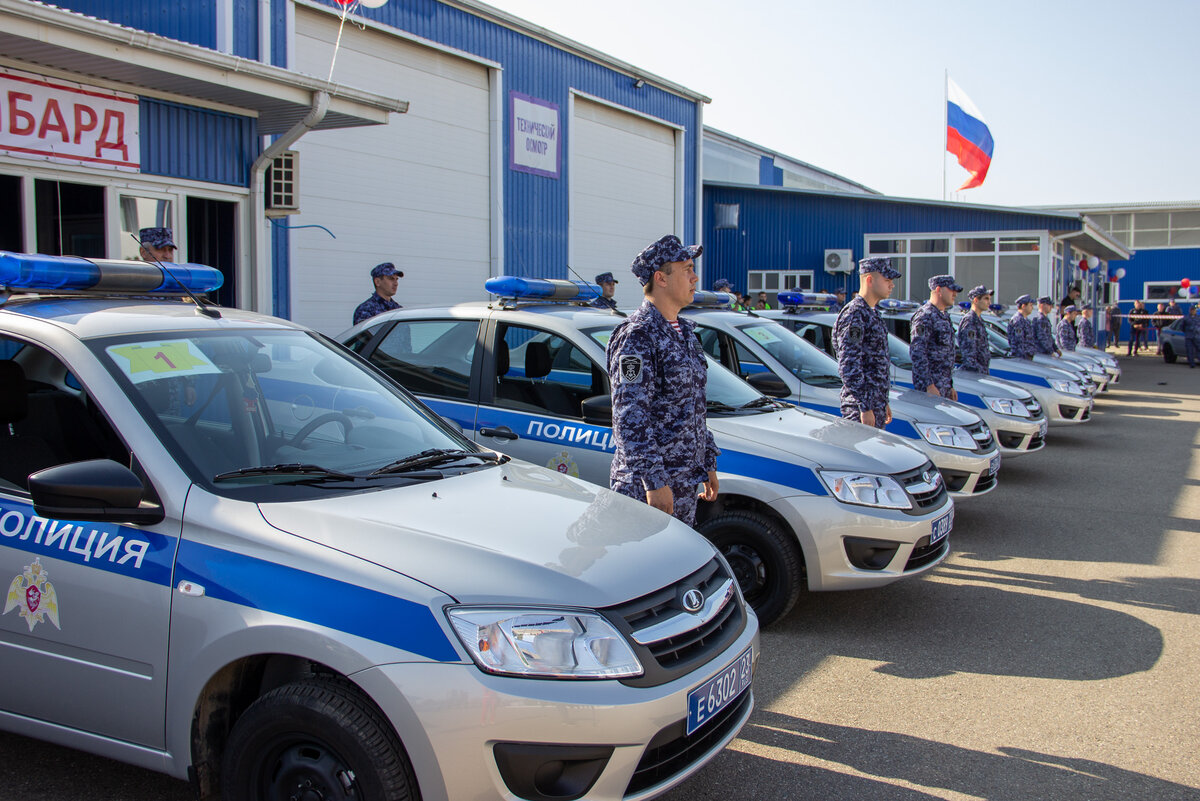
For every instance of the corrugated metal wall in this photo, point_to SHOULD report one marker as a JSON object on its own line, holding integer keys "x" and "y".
{"x": 791, "y": 229}
{"x": 199, "y": 144}
{"x": 536, "y": 229}
{"x": 192, "y": 21}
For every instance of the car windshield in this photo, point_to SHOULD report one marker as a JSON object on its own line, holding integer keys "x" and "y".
{"x": 803, "y": 359}
{"x": 898, "y": 352}
{"x": 996, "y": 334}
{"x": 724, "y": 390}
{"x": 279, "y": 408}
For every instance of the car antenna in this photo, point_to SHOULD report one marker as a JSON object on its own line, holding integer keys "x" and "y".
{"x": 208, "y": 311}
{"x": 589, "y": 286}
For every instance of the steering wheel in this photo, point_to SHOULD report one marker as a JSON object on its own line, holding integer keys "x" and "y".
{"x": 312, "y": 425}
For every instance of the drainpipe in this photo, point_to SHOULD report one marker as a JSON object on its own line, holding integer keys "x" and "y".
{"x": 262, "y": 269}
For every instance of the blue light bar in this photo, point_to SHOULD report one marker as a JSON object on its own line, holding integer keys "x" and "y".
{"x": 793, "y": 298}
{"x": 31, "y": 272}
{"x": 712, "y": 299}
{"x": 511, "y": 286}
{"x": 965, "y": 305}
{"x": 997, "y": 307}
{"x": 891, "y": 304}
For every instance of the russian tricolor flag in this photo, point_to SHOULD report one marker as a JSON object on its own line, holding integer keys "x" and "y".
{"x": 967, "y": 135}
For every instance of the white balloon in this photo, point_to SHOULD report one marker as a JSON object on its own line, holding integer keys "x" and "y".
{"x": 1120, "y": 272}
{"x": 372, "y": 3}
{"x": 1093, "y": 262}
{"x": 1183, "y": 291}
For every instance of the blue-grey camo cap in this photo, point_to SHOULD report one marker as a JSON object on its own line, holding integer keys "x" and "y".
{"x": 664, "y": 251}
{"x": 979, "y": 292}
{"x": 880, "y": 265}
{"x": 946, "y": 281}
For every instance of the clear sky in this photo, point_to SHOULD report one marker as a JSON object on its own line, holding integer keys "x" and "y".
{"x": 1088, "y": 102}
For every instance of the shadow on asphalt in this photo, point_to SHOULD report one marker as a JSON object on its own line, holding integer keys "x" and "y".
{"x": 1013, "y": 775}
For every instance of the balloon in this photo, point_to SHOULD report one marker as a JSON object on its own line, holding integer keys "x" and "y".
{"x": 1194, "y": 290}
{"x": 1093, "y": 262}
{"x": 1185, "y": 283}
{"x": 372, "y": 3}
{"x": 1120, "y": 273}
{"x": 1083, "y": 265}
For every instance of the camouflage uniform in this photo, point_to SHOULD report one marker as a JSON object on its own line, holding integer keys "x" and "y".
{"x": 1066, "y": 336}
{"x": 973, "y": 343}
{"x": 1043, "y": 333}
{"x": 861, "y": 341}
{"x": 932, "y": 349}
{"x": 1020, "y": 337}
{"x": 604, "y": 303}
{"x": 1191, "y": 336}
{"x": 659, "y": 410}
{"x": 375, "y": 304}
{"x": 1086, "y": 333}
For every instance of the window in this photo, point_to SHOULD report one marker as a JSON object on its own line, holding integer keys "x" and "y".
{"x": 70, "y": 219}
{"x": 537, "y": 371}
{"x": 138, "y": 213}
{"x": 1161, "y": 290}
{"x": 11, "y": 222}
{"x": 778, "y": 281}
{"x": 430, "y": 357}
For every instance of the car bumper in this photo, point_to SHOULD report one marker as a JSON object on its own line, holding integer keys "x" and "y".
{"x": 1017, "y": 436}
{"x": 966, "y": 473}
{"x": 1069, "y": 410}
{"x": 451, "y": 717}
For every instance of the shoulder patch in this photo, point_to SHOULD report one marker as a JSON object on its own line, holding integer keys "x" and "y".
{"x": 631, "y": 369}
{"x": 854, "y": 334}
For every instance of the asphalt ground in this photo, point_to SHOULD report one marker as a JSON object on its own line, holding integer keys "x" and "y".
{"x": 1054, "y": 655}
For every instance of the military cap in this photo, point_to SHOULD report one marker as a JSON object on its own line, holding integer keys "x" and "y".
{"x": 156, "y": 238}
{"x": 1021, "y": 301}
{"x": 387, "y": 268}
{"x": 979, "y": 292}
{"x": 606, "y": 278}
{"x": 946, "y": 281}
{"x": 1071, "y": 308}
{"x": 722, "y": 285}
{"x": 665, "y": 250}
{"x": 1046, "y": 299}
{"x": 878, "y": 264}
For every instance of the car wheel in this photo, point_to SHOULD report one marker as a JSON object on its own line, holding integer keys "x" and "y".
{"x": 316, "y": 738}
{"x": 1169, "y": 353}
{"x": 766, "y": 561}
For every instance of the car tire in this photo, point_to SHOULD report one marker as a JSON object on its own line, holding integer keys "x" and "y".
{"x": 316, "y": 738}
{"x": 766, "y": 560}
{"x": 1169, "y": 355}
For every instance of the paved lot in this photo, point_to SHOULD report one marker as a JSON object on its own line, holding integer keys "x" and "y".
{"x": 1053, "y": 656}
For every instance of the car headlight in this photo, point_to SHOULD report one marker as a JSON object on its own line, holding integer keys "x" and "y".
{"x": 553, "y": 643}
{"x": 1067, "y": 386}
{"x": 947, "y": 436}
{"x": 866, "y": 489}
{"x": 1009, "y": 406}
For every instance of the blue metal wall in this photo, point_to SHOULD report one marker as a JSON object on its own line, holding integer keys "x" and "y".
{"x": 791, "y": 228}
{"x": 192, "y": 21}
{"x": 1155, "y": 265}
{"x": 535, "y": 208}
{"x": 202, "y": 145}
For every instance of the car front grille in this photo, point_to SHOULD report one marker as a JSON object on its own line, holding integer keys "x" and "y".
{"x": 924, "y": 554}
{"x": 1035, "y": 408}
{"x": 923, "y": 497}
{"x": 982, "y": 436}
{"x": 673, "y": 751}
{"x": 677, "y": 641}
{"x": 1013, "y": 439}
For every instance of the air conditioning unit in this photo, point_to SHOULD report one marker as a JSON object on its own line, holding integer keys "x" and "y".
{"x": 283, "y": 184}
{"x": 839, "y": 261}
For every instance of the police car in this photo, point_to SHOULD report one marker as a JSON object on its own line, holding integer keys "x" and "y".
{"x": 1174, "y": 342}
{"x": 806, "y": 500}
{"x": 777, "y": 360}
{"x": 1100, "y": 368}
{"x": 235, "y": 552}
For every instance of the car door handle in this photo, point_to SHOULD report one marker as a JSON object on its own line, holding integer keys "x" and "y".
{"x": 499, "y": 432}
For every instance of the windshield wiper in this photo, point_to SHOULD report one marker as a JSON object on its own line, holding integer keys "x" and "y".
{"x": 309, "y": 471}
{"x": 436, "y": 456}
{"x": 718, "y": 406}
{"x": 763, "y": 401}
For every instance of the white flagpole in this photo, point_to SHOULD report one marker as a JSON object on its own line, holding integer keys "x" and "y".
{"x": 945, "y": 126}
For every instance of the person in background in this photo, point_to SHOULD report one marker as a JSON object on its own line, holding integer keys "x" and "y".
{"x": 723, "y": 285}
{"x": 839, "y": 301}
{"x": 972, "y": 332}
{"x": 1064, "y": 335}
{"x": 1191, "y": 335}
{"x": 1084, "y": 329}
{"x": 1113, "y": 317}
{"x": 1020, "y": 330}
{"x": 761, "y": 301}
{"x": 387, "y": 280}
{"x": 1159, "y": 321}
{"x": 860, "y": 338}
{"x": 608, "y": 288}
{"x": 1072, "y": 299}
{"x": 156, "y": 244}
{"x": 1139, "y": 322}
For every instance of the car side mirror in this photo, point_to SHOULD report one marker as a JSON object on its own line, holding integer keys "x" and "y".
{"x": 98, "y": 491}
{"x": 597, "y": 410}
{"x": 769, "y": 384}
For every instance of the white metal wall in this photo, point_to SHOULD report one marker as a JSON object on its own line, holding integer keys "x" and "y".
{"x": 415, "y": 192}
{"x": 624, "y": 191}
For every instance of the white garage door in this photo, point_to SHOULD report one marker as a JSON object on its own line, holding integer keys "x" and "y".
{"x": 623, "y": 191}
{"x": 415, "y": 192}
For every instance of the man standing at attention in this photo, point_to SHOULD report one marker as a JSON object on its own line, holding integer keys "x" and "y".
{"x": 932, "y": 341}
{"x": 1085, "y": 330}
{"x": 658, "y": 375}
{"x": 861, "y": 342}
{"x": 972, "y": 333}
{"x": 1043, "y": 329}
{"x": 387, "y": 280}
{"x": 1065, "y": 334}
{"x": 608, "y": 288}
{"x": 1020, "y": 330}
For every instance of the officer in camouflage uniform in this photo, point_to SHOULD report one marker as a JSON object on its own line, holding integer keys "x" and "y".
{"x": 723, "y": 285}
{"x": 839, "y": 301}
{"x": 1043, "y": 329}
{"x": 658, "y": 376}
{"x": 972, "y": 333}
{"x": 1020, "y": 330}
{"x": 861, "y": 342}
{"x": 387, "y": 280}
{"x": 156, "y": 244}
{"x": 1065, "y": 332}
{"x": 932, "y": 341}
{"x": 608, "y": 288}
{"x": 1191, "y": 335}
{"x": 1084, "y": 328}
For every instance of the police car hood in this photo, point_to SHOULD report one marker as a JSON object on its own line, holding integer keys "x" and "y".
{"x": 979, "y": 384}
{"x": 792, "y": 435}
{"x": 516, "y": 533}
{"x": 922, "y": 407}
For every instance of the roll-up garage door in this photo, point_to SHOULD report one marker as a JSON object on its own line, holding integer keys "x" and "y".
{"x": 623, "y": 191}
{"x": 415, "y": 192}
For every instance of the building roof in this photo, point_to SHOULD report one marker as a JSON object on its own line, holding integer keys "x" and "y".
{"x": 782, "y": 160}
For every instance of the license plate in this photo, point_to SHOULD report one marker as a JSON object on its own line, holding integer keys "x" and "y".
{"x": 719, "y": 692}
{"x": 1042, "y": 428}
{"x": 941, "y": 527}
{"x": 994, "y": 464}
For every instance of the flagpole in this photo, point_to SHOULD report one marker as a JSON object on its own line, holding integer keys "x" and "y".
{"x": 945, "y": 123}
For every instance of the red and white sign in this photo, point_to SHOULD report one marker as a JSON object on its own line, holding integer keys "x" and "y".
{"x": 68, "y": 122}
